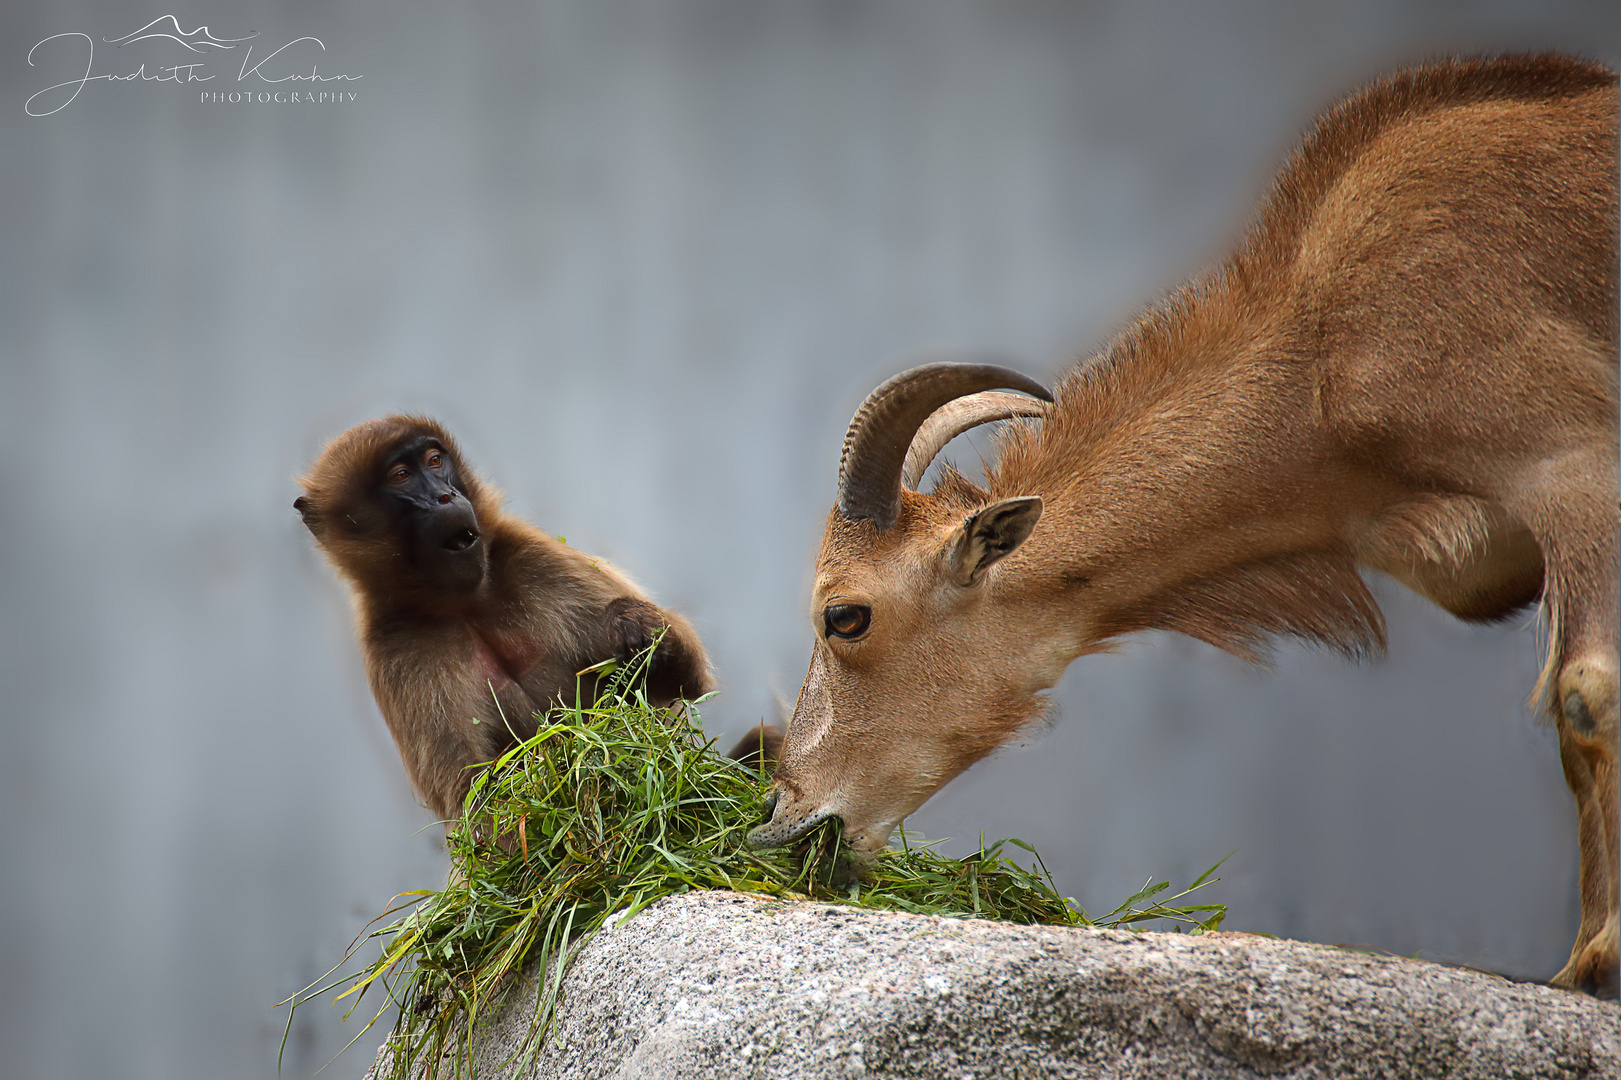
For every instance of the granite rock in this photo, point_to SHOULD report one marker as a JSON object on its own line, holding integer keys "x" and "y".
{"x": 725, "y": 985}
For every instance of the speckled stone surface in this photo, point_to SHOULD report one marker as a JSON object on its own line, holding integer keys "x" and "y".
{"x": 724, "y": 985}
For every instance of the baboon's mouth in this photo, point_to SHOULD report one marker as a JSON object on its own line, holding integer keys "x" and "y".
{"x": 461, "y": 540}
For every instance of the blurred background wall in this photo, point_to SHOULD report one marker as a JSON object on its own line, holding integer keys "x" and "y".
{"x": 644, "y": 259}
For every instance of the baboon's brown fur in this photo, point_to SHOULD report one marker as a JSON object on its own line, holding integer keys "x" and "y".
{"x": 460, "y": 669}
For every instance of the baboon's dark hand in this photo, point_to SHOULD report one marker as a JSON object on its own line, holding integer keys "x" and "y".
{"x": 632, "y": 625}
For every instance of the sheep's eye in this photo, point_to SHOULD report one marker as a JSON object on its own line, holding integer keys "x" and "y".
{"x": 847, "y": 620}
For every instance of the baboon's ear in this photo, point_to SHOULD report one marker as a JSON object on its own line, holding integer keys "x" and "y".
{"x": 311, "y": 516}
{"x": 989, "y": 534}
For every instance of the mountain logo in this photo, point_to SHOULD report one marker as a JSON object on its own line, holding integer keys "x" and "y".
{"x": 167, "y": 26}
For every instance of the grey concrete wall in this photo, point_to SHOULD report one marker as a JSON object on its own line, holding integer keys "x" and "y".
{"x": 644, "y": 259}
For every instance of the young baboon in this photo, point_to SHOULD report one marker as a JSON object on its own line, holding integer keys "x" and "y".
{"x": 471, "y": 621}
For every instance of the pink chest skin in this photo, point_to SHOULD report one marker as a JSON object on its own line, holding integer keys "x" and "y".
{"x": 503, "y": 658}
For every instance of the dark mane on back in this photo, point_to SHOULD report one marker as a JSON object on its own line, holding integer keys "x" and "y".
{"x": 1346, "y": 131}
{"x": 1191, "y": 327}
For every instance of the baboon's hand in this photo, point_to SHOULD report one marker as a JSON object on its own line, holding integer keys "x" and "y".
{"x": 632, "y": 625}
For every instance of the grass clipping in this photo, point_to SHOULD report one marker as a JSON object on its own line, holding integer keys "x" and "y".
{"x": 611, "y": 806}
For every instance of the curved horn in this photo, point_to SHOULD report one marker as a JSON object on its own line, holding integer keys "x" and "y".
{"x": 955, "y": 417}
{"x": 881, "y": 430}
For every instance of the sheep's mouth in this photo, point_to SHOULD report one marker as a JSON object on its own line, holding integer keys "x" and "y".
{"x": 784, "y": 826}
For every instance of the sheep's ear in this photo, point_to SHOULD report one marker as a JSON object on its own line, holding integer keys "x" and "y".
{"x": 990, "y": 534}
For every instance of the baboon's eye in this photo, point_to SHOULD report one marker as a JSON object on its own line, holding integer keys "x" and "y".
{"x": 433, "y": 459}
{"x": 398, "y": 474}
{"x": 846, "y": 620}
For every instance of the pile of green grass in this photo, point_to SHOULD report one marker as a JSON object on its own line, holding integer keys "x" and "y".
{"x": 613, "y": 805}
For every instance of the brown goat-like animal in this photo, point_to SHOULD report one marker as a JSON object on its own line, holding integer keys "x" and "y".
{"x": 471, "y": 621}
{"x": 1408, "y": 365}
